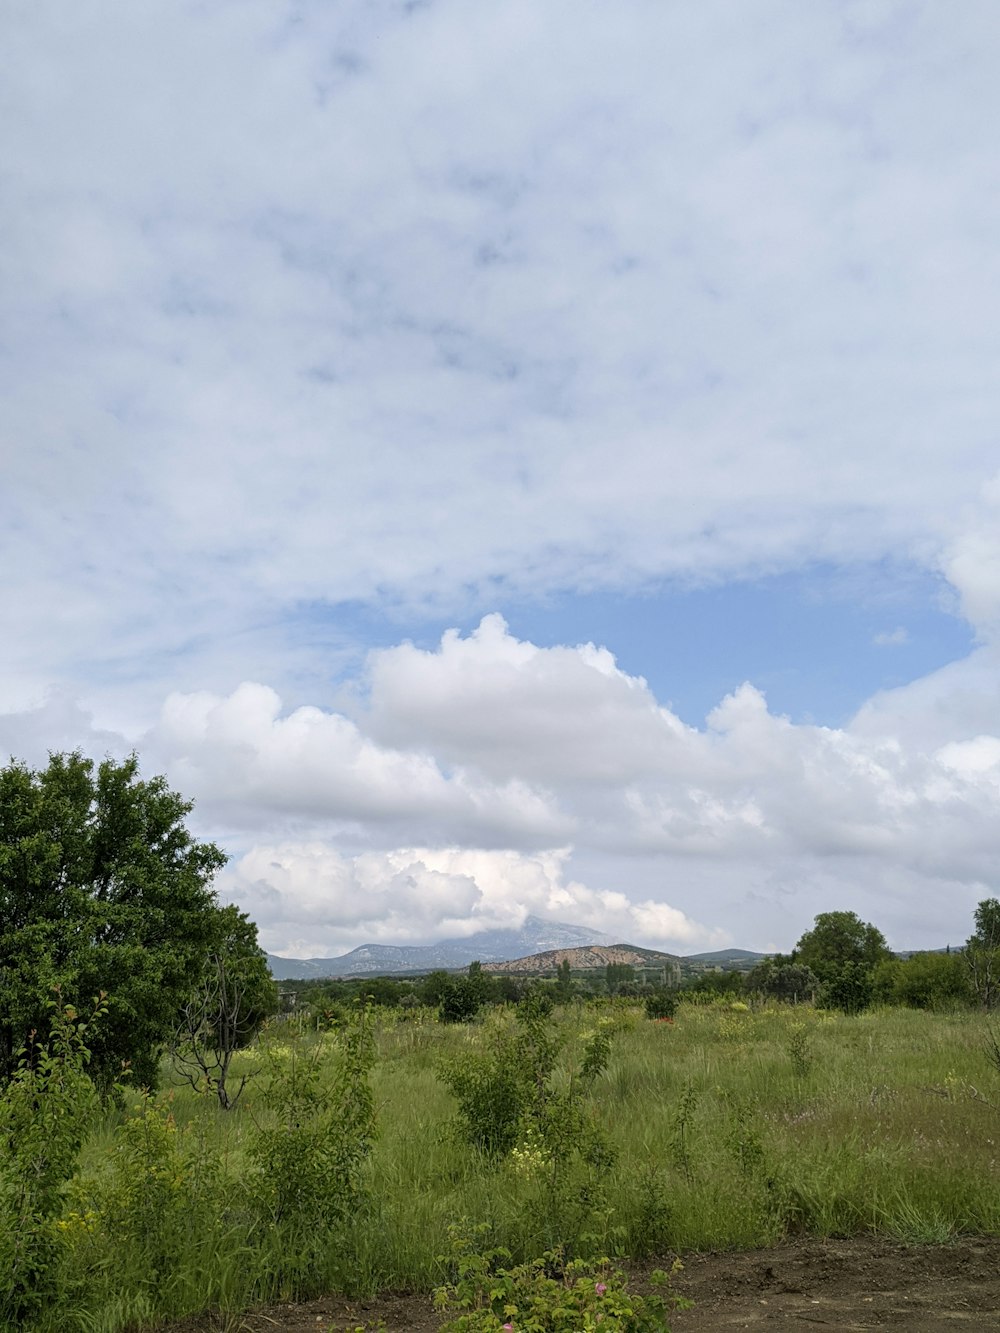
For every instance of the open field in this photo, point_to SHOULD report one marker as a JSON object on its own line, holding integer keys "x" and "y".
{"x": 729, "y": 1130}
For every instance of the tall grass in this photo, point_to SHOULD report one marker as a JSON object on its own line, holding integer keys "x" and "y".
{"x": 730, "y": 1127}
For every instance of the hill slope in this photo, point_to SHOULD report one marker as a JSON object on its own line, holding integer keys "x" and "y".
{"x": 488, "y": 946}
{"x": 587, "y": 956}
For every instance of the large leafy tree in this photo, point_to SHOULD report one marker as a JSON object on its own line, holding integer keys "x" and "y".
{"x": 839, "y": 939}
{"x": 843, "y": 952}
{"x": 102, "y": 889}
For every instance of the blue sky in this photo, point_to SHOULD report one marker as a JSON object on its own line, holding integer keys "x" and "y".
{"x": 818, "y": 641}
{"x": 517, "y": 458}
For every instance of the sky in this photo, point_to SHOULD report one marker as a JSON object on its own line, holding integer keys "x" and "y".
{"x": 515, "y": 459}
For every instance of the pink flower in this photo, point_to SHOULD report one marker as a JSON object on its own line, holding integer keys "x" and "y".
{"x": 510, "y": 1326}
{"x": 600, "y": 1288}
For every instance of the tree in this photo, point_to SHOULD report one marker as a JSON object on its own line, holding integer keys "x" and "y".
{"x": 431, "y": 990}
{"x": 839, "y": 938}
{"x": 102, "y": 889}
{"x": 790, "y": 982}
{"x": 982, "y": 953}
{"x": 233, "y": 997}
{"x": 925, "y": 981}
{"x": 617, "y": 976}
{"x": 463, "y": 997}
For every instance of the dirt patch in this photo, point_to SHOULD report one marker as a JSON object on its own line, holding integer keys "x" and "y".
{"x": 837, "y": 1284}
{"x": 845, "y": 1284}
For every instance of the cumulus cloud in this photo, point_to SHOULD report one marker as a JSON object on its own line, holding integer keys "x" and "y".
{"x": 308, "y": 897}
{"x": 668, "y": 292}
{"x": 972, "y": 562}
{"x": 240, "y": 756}
{"x": 501, "y": 751}
{"x": 424, "y": 307}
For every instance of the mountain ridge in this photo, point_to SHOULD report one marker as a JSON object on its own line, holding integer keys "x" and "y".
{"x": 535, "y": 936}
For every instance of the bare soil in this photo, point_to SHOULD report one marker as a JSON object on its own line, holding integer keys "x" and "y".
{"x": 861, "y": 1283}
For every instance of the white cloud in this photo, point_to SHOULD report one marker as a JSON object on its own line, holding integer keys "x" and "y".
{"x": 412, "y": 306}
{"x": 371, "y": 302}
{"x": 309, "y": 899}
{"x": 892, "y": 638}
{"x": 972, "y": 561}
{"x": 239, "y": 756}
{"x": 490, "y": 752}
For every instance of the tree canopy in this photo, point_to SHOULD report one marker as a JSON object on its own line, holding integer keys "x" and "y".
{"x": 102, "y": 889}
{"x": 839, "y": 939}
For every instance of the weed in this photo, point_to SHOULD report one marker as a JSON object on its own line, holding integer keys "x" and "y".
{"x": 547, "y": 1293}
{"x": 680, "y": 1141}
{"x": 799, "y": 1050}
{"x": 45, "y": 1113}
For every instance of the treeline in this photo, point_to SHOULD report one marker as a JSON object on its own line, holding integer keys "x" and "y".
{"x": 842, "y": 963}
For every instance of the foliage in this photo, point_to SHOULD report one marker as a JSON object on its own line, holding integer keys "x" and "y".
{"x": 46, "y": 1110}
{"x": 661, "y": 1003}
{"x": 463, "y": 997}
{"x": 849, "y": 988}
{"x": 305, "y": 1175}
{"x": 564, "y": 981}
{"x": 619, "y": 977}
{"x": 843, "y": 952}
{"x": 497, "y": 1086}
{"x": 234, "y": 996}
{"x": 102, "y": 888}
{"x": 924, "y": 981}
{"x": 547, "y": 1293}
{"x": 838, "y": 939}
{"x": 431, "y": 990}
{"x": 720, "y": 1146}
{"x": 162, "y": 1182}
{"x": 982, "y": 953}
{"x": 715, "y": 982}
{"x": 799, "y": 1050}
{"x": 790, "y": 982}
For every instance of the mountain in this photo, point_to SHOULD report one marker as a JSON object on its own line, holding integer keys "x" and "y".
{"x": 587, "y": 956}
{"x": 488, "y": 946}
{"x": 721, "y": 956}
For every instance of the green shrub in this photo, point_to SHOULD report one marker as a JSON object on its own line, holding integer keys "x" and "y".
{"x": 661, "y": 1003}
{"x": 305, "y": 1178}
{"x": 46, "y": 1111}
{"x": 544, "y": 1294}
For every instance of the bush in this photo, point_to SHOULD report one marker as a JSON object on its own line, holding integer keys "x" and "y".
{"x": 662, "y": 1003}
{"x": 461, "y": 1000}
{"x": 496, "y": 1085}
{"x": 544, "y": 1294}
{"x": 305, "y": 1178}
{"x": 46, "y": 1111}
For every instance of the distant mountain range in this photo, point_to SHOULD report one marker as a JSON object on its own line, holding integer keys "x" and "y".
{"x": 488, "y": 946}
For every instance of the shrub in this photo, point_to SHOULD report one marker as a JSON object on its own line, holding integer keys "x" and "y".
{"x": 662, "y": 1003}
{"x": 544, "y": 1294}
{"x": 305, "y": 1178}
{"x": 46, "y": 1111}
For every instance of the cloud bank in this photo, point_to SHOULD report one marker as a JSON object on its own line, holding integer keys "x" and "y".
{"x": 403, "y": 311}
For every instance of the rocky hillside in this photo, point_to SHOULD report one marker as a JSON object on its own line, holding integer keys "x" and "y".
{"x": 590, "y": 956}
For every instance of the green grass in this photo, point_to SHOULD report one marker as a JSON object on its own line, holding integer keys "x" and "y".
{"x": 885, "y": 1130}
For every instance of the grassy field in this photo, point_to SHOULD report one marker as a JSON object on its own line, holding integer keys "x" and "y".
{"x": 728, "y": 1127}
